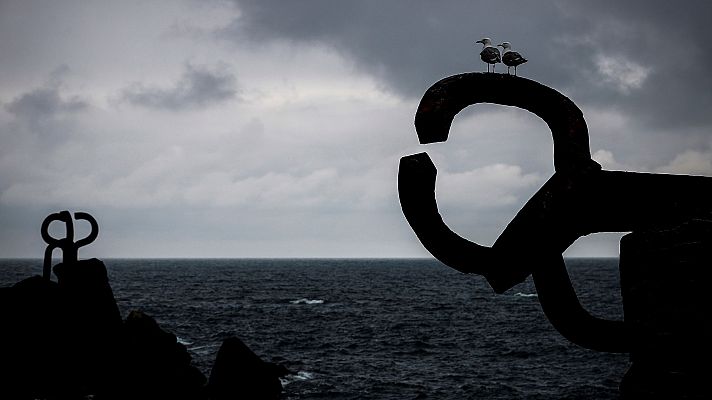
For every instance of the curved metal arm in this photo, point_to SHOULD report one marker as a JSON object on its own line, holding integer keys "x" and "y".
{"x": 69, "y": 248}
{"x": 416, "y": 191}
{"x": 94, "y": 228}
{"x": 442, "y": 101}
{"x": 416, "y": 179}
{"x": 545, "y": 226}
{"x": 531, "y": 244}
{"x": 562, "y": 308}
{"x": 52, "y": 243}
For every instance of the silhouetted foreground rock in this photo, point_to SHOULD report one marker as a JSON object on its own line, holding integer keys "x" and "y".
{"x": 66, "y": 340}
{"x": 153, "y": 365}
{"x": 91, "y": 324}
{"x": 239, "y": 373}
{"x": 59, "y": 339}
{"x": 31, "y": 328}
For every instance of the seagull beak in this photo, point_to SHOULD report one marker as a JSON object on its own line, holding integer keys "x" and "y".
{"x": 479, "y": 41}
{"x": 500, "y": 45}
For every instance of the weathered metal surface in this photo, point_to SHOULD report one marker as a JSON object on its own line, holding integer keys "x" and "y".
{"x": 69, "y": 247}
{"x": 577, "y": 200}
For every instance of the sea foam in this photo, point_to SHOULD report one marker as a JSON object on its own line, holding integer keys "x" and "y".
{"x": 299, "y": 376}
{"x": 307, "y": 301}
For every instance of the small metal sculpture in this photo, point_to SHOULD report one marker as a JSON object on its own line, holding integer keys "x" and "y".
{"x": 69, "y": 247}
{"x": 579, "y": 199}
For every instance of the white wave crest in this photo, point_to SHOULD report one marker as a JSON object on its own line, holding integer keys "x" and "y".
{"x": 520, "y": 294}
{"x": 307, "y": 301}
{"x": 299, "y": 376}
{"x": 204, "y": 350}
{"x": 182, "y": 341}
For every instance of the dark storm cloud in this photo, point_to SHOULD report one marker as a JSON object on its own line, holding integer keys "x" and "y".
{"x": 197, "y": 87}
{"x": 642, "y": 57}
{"x": 669, "y": 38}
{"x": 43, "y": 103}
{"x": 47, "y": 111}
{"x": 407, "y": 44}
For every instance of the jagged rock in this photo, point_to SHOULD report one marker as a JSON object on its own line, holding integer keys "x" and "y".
{"x": 30, "y": 365}
{"x": 93, "y": 321}
{"x": 153, "y": 364}
{"x": 238, "y": 373}
{"x": 85, "y": 284}
{"x": 66, "y": 340}
{"x": 59, "y": 339}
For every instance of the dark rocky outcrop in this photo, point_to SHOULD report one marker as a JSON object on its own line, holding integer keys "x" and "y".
{"x": 238, "y": 373}
{"x": 66, "y": 340}
{"x": 31, "y": 337}
{"x": 59, "y": 339}
{"x": 153, "y": 365}
{"x": 91, "y": 322}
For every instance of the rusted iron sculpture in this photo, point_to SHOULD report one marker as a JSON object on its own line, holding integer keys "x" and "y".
{"x": 69, "y": 247}
{"x": 579, "y": 199}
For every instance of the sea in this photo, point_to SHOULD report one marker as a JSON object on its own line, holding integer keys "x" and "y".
{"x": 373, "y": 328}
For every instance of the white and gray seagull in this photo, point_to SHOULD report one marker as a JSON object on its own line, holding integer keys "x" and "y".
{"x": 489, "y": 53}
{"x": 511, "y": 58}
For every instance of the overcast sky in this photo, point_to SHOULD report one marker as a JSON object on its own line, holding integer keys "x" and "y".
{"x": 274, "y": 128}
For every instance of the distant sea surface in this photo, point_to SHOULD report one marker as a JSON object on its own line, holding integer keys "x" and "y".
{"x": 373, "y": 328}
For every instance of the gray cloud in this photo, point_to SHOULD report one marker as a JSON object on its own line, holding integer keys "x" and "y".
{"x": 308, "y": 166}
{"x": 406, "y": 44}
{"x": 45, "y": 112}
{"x": 668, "y": 40}
{"x": 640, "y": 63}
{"x": 197, "y": 87}
{"x": 45, "y": 102}
{"x": 645, "y": 58}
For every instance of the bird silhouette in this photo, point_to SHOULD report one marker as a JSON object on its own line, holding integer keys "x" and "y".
{"x": 511, "y": 58}
{"x": 489, "y": 53}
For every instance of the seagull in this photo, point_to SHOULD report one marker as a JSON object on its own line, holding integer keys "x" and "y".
{"x": 489, "y": 53}
{"x": 511, "y": 58}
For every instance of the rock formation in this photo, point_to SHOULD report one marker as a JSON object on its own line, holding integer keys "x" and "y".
{"x": 66, "y": 340}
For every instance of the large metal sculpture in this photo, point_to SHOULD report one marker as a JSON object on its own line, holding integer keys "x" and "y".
{"x": 579, "y": 199}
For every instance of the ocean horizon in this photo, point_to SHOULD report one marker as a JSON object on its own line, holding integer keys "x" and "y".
{"x": 372, "y": 328}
